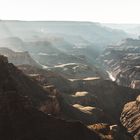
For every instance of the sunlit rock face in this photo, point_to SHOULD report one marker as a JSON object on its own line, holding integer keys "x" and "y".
{"x": 76, "y": 70}
{"x": 109, "y": 132}
{"x": 122, "y": 62}
{"x": 135, "y": 84}
{"x": 130, "y": 118}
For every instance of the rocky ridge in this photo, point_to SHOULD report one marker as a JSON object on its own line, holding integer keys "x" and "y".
{"x": 19, "y": 58}
{"x": 19, "y": 117}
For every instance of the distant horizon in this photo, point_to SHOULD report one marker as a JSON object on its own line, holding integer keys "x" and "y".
{"x": 100, "y": 11}
{"x": 98, "y": 22}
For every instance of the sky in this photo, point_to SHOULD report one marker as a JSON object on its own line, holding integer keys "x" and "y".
{"x": 105, "y": 11}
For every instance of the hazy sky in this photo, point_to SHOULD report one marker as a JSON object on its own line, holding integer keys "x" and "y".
{"x": 115, "y": 11}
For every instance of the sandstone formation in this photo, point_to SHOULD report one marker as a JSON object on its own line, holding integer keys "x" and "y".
{"x": 130, "y": 118}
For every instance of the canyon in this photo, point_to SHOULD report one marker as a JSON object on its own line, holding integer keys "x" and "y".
{"x": 56, "y": 83}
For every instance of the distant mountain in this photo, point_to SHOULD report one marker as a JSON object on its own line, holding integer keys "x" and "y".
{"x": 54, "y": 43}
{"x": 13, "y": 43}
{"x": 51, "y": 53}
{"x": 132, "y": 29}
{"x": 92, "y": 32}
{"x": 19, "y": 58}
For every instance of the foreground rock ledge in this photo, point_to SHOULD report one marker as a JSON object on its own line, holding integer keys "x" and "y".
{"x": 130, "y": 118}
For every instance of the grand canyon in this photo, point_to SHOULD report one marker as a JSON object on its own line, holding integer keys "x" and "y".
{"x": 69, "y": 81}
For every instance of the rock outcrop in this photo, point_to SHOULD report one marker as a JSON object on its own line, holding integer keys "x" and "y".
{"x": 130, "y": 118}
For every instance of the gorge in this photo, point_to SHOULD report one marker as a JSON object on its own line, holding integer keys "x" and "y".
{"x": 74, "y": 81}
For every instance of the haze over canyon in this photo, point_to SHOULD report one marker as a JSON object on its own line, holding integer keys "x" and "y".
{"x": 69, "y": 80}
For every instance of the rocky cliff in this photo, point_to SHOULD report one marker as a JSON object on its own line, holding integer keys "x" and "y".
{"x": 122, "y": 62}
{"x": 19, "y": 118}
{"x": 130, "y": 118}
